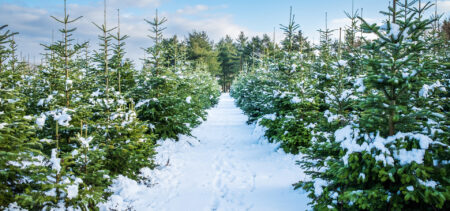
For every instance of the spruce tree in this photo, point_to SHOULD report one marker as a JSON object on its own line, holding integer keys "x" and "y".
{"x": 201, "y": 53}
{"x": 57, "y": 117}
{"x": 13, "y": 54}
{"x": 390, "y": 157}
{"x": 5, "y": 39}
{"x": 289, "y": 31}
{"x": 123, "y": 79}
{"x": 156, "y": 50}
{"x": 228, "y": 59}
{"x": 24, "y": 169}
{"x": 241, "y": 43}
{"x": 117, "y": 131}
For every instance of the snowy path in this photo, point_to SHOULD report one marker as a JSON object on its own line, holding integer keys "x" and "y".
{"x": 227, "y": 169}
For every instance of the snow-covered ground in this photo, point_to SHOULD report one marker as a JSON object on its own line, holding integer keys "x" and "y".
{"x": 228, "y": 166}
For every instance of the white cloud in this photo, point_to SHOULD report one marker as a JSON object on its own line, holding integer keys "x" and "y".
{"x": 216, "y": 27}
{"x": 444, "y": 7}
{"x": 191, "y": 10}
{"x": 35, "y": 25}
{"x": 134, "y": 3}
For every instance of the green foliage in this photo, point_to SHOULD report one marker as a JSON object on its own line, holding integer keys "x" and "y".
{"x": 276, "y": 99}
{"x": 289, "y": 31}
{"x": 228, "y": 59}
{"x": 23, "y": 175}
{"x": 368, "y": 163}
{"x": 200, "y": 52}
{"x": 156, "y": 50}
{"x": 5, "y": 38}
{"x": 369, "y": 116}
{"x": 172, "y": 99}
{"x": 71, "y": 126}
{"x": 173, "y": 103}
{"x": 252, "y": 92}
{"x": 289, "y": 131}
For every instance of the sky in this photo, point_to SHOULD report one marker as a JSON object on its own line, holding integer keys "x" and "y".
{"x": 31, "y": 18}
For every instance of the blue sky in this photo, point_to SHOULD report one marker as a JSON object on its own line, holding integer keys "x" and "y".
{"x": 217, "y": 17}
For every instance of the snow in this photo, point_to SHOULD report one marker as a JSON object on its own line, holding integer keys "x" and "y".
{"x": 424, "y": 141}
{"x": 362, "y": 176}
{"x": 85, "y": 141}
{"x": 72, "y": 191}
{"x": 295, "y": 100}
{"x": 348, "y": 137}
{"x": 23, "y": 164}
{"x": 51, "y": 192}
{"x": 14, "y": 207}
{"x": 74, "y": 153}
{"x": 59, "y": 115}
{"x": 409, "y": 74}
{"x": 43, "y": 101}
{"x": 56, "y": 162}
{"x": 342, "y": 63}
{"x": 46, "y": 140}
{"x": 228, "y": 166}
{"x": 330, "y": 117}
{"x": 359, "y": 83}
{"x": 270, "y": 116}
{"x": 407, "y": 157}
{"x": 40, "y": 121}
{"x": 318, "y": 186}
{"x": 394, "y": 30}
{"x": 429, "y": 183}
{"x": 345, "y": 95}
{"x": 294, "y": 68}
{"x": 426, "y": 89}
{"x": 141, "y": 103}
{"x": 13, "y": 100}
{"x": 62, "y": 117}
{"x": 96, "y": 93}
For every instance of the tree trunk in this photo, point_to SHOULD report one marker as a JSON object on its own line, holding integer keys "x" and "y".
{"x": 391, "y": 120}
{"x": 394, "y": 12}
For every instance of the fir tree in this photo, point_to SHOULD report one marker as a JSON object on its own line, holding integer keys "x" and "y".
{"x": 228, "y": 62}
{"x": 5, "y": 39}
{"x": 24, "y": 168}
{"x": 289, "y": 31}
{"x": 201, "y": 53}
{"x": 155, "y": 51}
{"x": 103, "y": 56}
{"x": 63, "y": 49}
{"x": 373, "y": 162}
{"x": 13, "y": 54}
{"x": 241, "y": 43}
{"x": 58, "y": 87}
